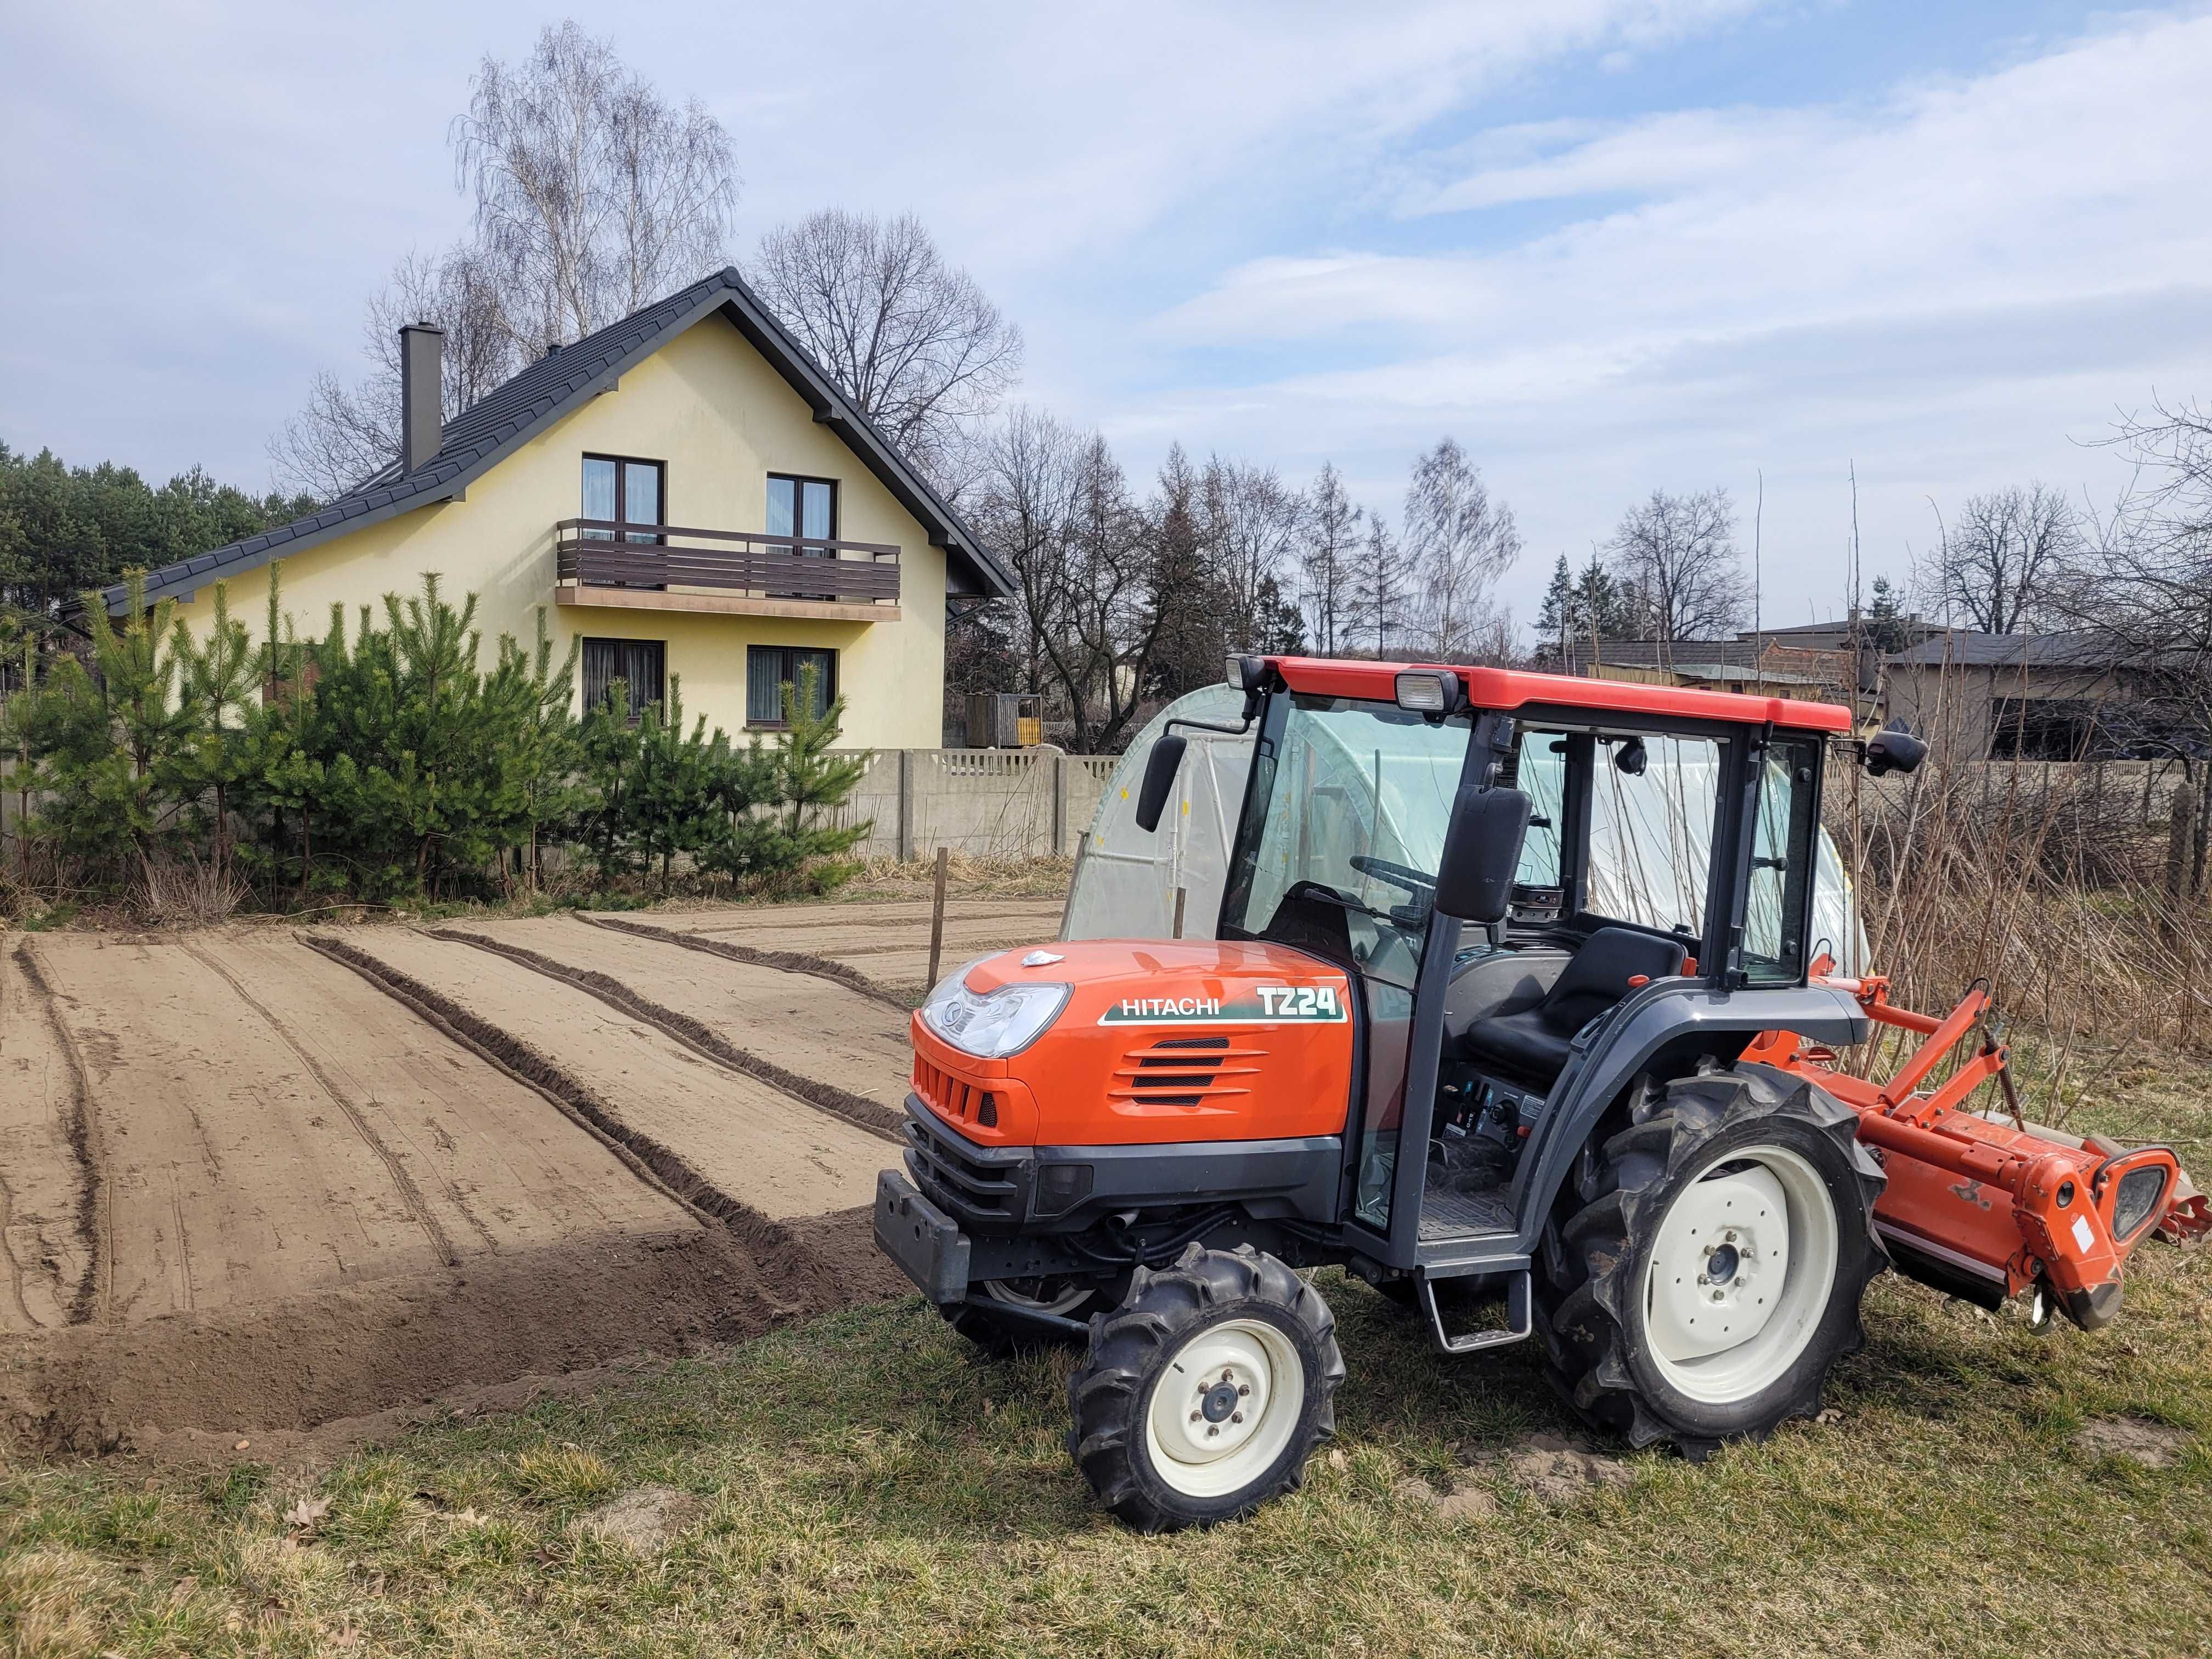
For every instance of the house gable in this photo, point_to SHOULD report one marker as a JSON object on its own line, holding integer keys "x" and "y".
{"x": 528, "y": 406}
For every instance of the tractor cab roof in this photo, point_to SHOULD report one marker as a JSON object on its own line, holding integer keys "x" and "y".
{"x": 1507, "y": 689}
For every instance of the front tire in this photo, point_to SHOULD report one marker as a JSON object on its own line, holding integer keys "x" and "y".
{"x": 1714, "y": 1274}
{"x": 1205, "y": 1391}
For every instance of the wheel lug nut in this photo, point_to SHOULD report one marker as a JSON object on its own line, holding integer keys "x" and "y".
{"x": 1243, "y": 1389}
{"x": 1227, "y": 1374}
{"x": 1212, "y": 1429}
{"x": 1702, "y": 1279}
{"x": 1193, "y": 1417}
{"x": 1717, "y": 1296}
{"x": 1739, "y": 1279}
{"x": 1236, "y": 1417}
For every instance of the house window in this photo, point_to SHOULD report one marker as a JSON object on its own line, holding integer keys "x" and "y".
{"x": 622, "y": 490}
{"x": 770, "y": 668}
{"x": 803, "y": 508}
{"x": 641, "y": 665}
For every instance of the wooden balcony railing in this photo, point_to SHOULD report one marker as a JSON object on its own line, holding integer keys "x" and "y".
{"x": 601, "y": 553}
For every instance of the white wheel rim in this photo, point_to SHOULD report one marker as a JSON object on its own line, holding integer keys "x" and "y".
{"x": 1225, "y": 1408}
{"x": 1074, "y": 1294}
{"x": 1740, "y": 1274}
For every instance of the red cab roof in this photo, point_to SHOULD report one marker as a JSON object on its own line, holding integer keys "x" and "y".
{"x": 1507, "y": 689}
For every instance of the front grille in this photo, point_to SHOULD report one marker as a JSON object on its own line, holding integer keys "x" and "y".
{"x": 1185, "y": 1072}
{"x": 961, "y": 1101}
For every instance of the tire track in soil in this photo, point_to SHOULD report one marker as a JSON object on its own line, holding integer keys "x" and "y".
{"x": 95, "y": 1291}
{"x": 409, "y": 1193}
{"x": 694, "y": 1034}
{"x": 787, "y": 1259}
{"x": 791, "y": 962}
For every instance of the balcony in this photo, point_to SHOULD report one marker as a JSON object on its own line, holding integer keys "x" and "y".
{"x": 596, "y": 561}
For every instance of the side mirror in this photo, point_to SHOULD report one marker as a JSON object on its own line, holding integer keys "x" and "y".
{"x": 1894, "y": 750}
{"x": 1482, "y": 852}
{"x": 1160, "y": 767}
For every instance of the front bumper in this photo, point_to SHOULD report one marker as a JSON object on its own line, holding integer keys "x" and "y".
{"x": 926, "y": 1243}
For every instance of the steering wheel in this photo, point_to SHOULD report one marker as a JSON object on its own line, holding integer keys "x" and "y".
{"x": 1402, "y": 875}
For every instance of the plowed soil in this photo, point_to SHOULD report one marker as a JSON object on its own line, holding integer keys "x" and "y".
{"x": 745, "y": 1140}
{"x": 889, "y": 944}
{"x": 255, "y": 1180}
{"x": 799, "y": 1024}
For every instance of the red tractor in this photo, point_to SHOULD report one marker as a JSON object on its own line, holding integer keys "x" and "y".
{"x": 1432, "y": 1042}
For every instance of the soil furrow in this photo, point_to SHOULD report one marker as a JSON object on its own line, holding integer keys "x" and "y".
{"x": 402, "y": 1182}
{"x": 95, "y": 1291}
{"x": 657, "y": 1162}
{"x": 790, "y": 960}
{"x": 693, "y": 1034}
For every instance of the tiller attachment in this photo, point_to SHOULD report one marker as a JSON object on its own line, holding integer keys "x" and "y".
{"x": 1985, "y": 1205}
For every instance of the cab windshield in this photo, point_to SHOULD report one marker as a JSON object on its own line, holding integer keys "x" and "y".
{"x": 1343, "y": 827}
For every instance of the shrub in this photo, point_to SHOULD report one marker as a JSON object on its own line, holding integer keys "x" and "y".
{"x": 378, "y": 762}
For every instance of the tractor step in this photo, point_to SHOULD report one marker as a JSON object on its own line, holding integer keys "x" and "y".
{"x": 1519, "y": 1318}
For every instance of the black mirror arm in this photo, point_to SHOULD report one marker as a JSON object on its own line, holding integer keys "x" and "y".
{"x": 1208, "y": 725}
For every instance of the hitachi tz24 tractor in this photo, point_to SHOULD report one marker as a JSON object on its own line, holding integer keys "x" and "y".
{"x": 1414, "y": 1045}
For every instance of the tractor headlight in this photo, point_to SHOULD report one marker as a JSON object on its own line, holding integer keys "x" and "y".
{"x": 994, "y": 1024}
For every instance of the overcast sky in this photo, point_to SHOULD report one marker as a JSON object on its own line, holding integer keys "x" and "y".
{"x": 1609, "y": 244}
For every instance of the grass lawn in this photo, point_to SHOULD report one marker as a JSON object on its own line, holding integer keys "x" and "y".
{"x": 865, "y": 1484}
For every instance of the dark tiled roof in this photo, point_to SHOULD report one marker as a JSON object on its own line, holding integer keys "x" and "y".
{"x": 1962, "y": 649}
{"x": 482, "y": 433}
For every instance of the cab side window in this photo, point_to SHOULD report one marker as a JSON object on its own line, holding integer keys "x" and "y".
{"x": 1539, "y": 772}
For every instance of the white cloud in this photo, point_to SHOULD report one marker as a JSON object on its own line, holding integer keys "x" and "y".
{"x": 1950, "y": 283}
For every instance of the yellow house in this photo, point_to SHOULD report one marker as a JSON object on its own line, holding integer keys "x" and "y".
{"x": 684, "y": 491}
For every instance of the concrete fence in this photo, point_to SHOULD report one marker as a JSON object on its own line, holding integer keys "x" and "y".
{"x": 982, "y": 803}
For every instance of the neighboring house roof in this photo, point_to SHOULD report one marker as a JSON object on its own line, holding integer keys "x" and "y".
{"x": 488, "y": 430}
{"x": 1580, "y": 654}
{"x": 1960, "y": 648}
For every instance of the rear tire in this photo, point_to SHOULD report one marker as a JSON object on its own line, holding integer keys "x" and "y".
{"x": 1205, "y": 1391}
{"x": 1745, "y": 1202}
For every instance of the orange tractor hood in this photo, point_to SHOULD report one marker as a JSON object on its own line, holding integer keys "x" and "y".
{"x": 1160, "y": 1041}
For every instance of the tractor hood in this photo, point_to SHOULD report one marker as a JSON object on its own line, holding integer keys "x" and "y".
{"x": 1158, "y": 1041}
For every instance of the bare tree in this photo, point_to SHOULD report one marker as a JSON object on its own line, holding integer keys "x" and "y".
{"x": 1024, "y": 504}
{"x": 913, "y": 340}
{"x": 2000, "y": 550}
{"x": 347, "y": 432}
{"x": 592, "y": 196}
{"x": 1251, "y": 523}
{"x": 1460, "y": 542}
{"x": 1677, "y": 557}
{"x": 1329, "y": 559}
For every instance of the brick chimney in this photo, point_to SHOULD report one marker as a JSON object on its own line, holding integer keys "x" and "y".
{"x": 421, "y": 409}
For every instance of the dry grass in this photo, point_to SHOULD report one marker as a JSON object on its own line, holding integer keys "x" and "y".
{"x": 2051, "y": 887}
{"x": 188, "y": 893}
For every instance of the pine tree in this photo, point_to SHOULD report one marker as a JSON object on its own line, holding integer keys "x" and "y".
{"x": 1555, "y": 623}
{"x": 218, "y": 679}
{"x": 108, "y": 804}
{"x": 813, "y": 778}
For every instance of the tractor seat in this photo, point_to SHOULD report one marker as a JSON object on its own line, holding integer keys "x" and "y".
{"x": 1533, "y": 1043}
